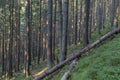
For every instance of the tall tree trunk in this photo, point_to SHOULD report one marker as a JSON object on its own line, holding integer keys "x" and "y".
{"x": 60, "y": 23}
{"x": 3, "y": 51}
{"x": 76, "y": 21}
{"x": 64, "y": 33}
{"x": 18, "y": 34}
{"x": 54, "y": 28}
{"x": 80, "y": 25}
{"x": 40, "y": 32}
{"x": 3, "y": 39}
{"x": 49, "y": 47}
{"x": 28, "y": 27}
{"x": 86, "y": 24}
{"x": 112, "y": 13}
{"x": 10, "y": 74}
{"x": 116, "y": 13}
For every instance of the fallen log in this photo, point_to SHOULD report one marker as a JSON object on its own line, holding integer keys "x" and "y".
{"x": 77, "y": 54}
{"x": 67, "y": 73}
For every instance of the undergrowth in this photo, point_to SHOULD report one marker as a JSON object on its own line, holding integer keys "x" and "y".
{"x": 101, "y": 63}
{"x": 90, "y": 66}
{"x": 17, "y": 76}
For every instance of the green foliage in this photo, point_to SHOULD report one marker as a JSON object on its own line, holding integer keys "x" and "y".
{"x": 18, "y": 76}
{"x": 99, "y": 64}
{"x": 95, "y": 35}
{"x": 0, "y": 68}
{"x": 21, "y": 76}
{"x": 119, "y": 21}
{"x": 74, "y": 48}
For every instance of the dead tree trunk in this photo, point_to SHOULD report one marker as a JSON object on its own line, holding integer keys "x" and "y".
{"x": 77, "y": 54}
{"x": 67, "y": 73}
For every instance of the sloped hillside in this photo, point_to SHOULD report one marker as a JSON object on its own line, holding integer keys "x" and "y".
{"x": 101, "y": 63}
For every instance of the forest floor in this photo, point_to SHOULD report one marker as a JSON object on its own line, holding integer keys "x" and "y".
{"x": 72, "y": 49}
{"x": 0, "y": 71}
{"x": 101, "y": 63}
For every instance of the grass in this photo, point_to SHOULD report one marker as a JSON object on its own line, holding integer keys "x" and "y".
{"x": 0, "y": 68}
{"x": 18, "y": 76}
{"x": 101, "y": 63}
{"x": 21, "y": 75}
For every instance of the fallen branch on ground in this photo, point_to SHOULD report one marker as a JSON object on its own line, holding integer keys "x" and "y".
{"x": 78, "y": 54}
{"x": 67, "y": 73}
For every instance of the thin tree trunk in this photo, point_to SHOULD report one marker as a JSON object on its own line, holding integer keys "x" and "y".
{"x": 40, "y": 32}
{"x": 49, "y": 47}
{"x": 64, "y": 33}
{"x": 3, "y": 40}
{"x": 54, "y": 29}
{"x": 76, "y": 21}
{"x": 60, "y": 23}
{"x": 28, "y": 27}
{"x": 86, "y": 24}
{"x": 18, "y": 35}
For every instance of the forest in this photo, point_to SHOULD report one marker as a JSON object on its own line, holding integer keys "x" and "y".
{"x": 59, "y": 39}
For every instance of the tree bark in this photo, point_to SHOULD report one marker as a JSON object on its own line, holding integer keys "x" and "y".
{"x": 67, "y": 73}
{"x": 40, "y": 31}
{"x": 86, "y": 24}
{"x": 49, "y": 48}
{"x": 64, "y": 33}
{"x": 28, "y": 26}
{"x": 76, "y": 22}
{"x": 10, "y": 73}
{"x": 60, "y": 23}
